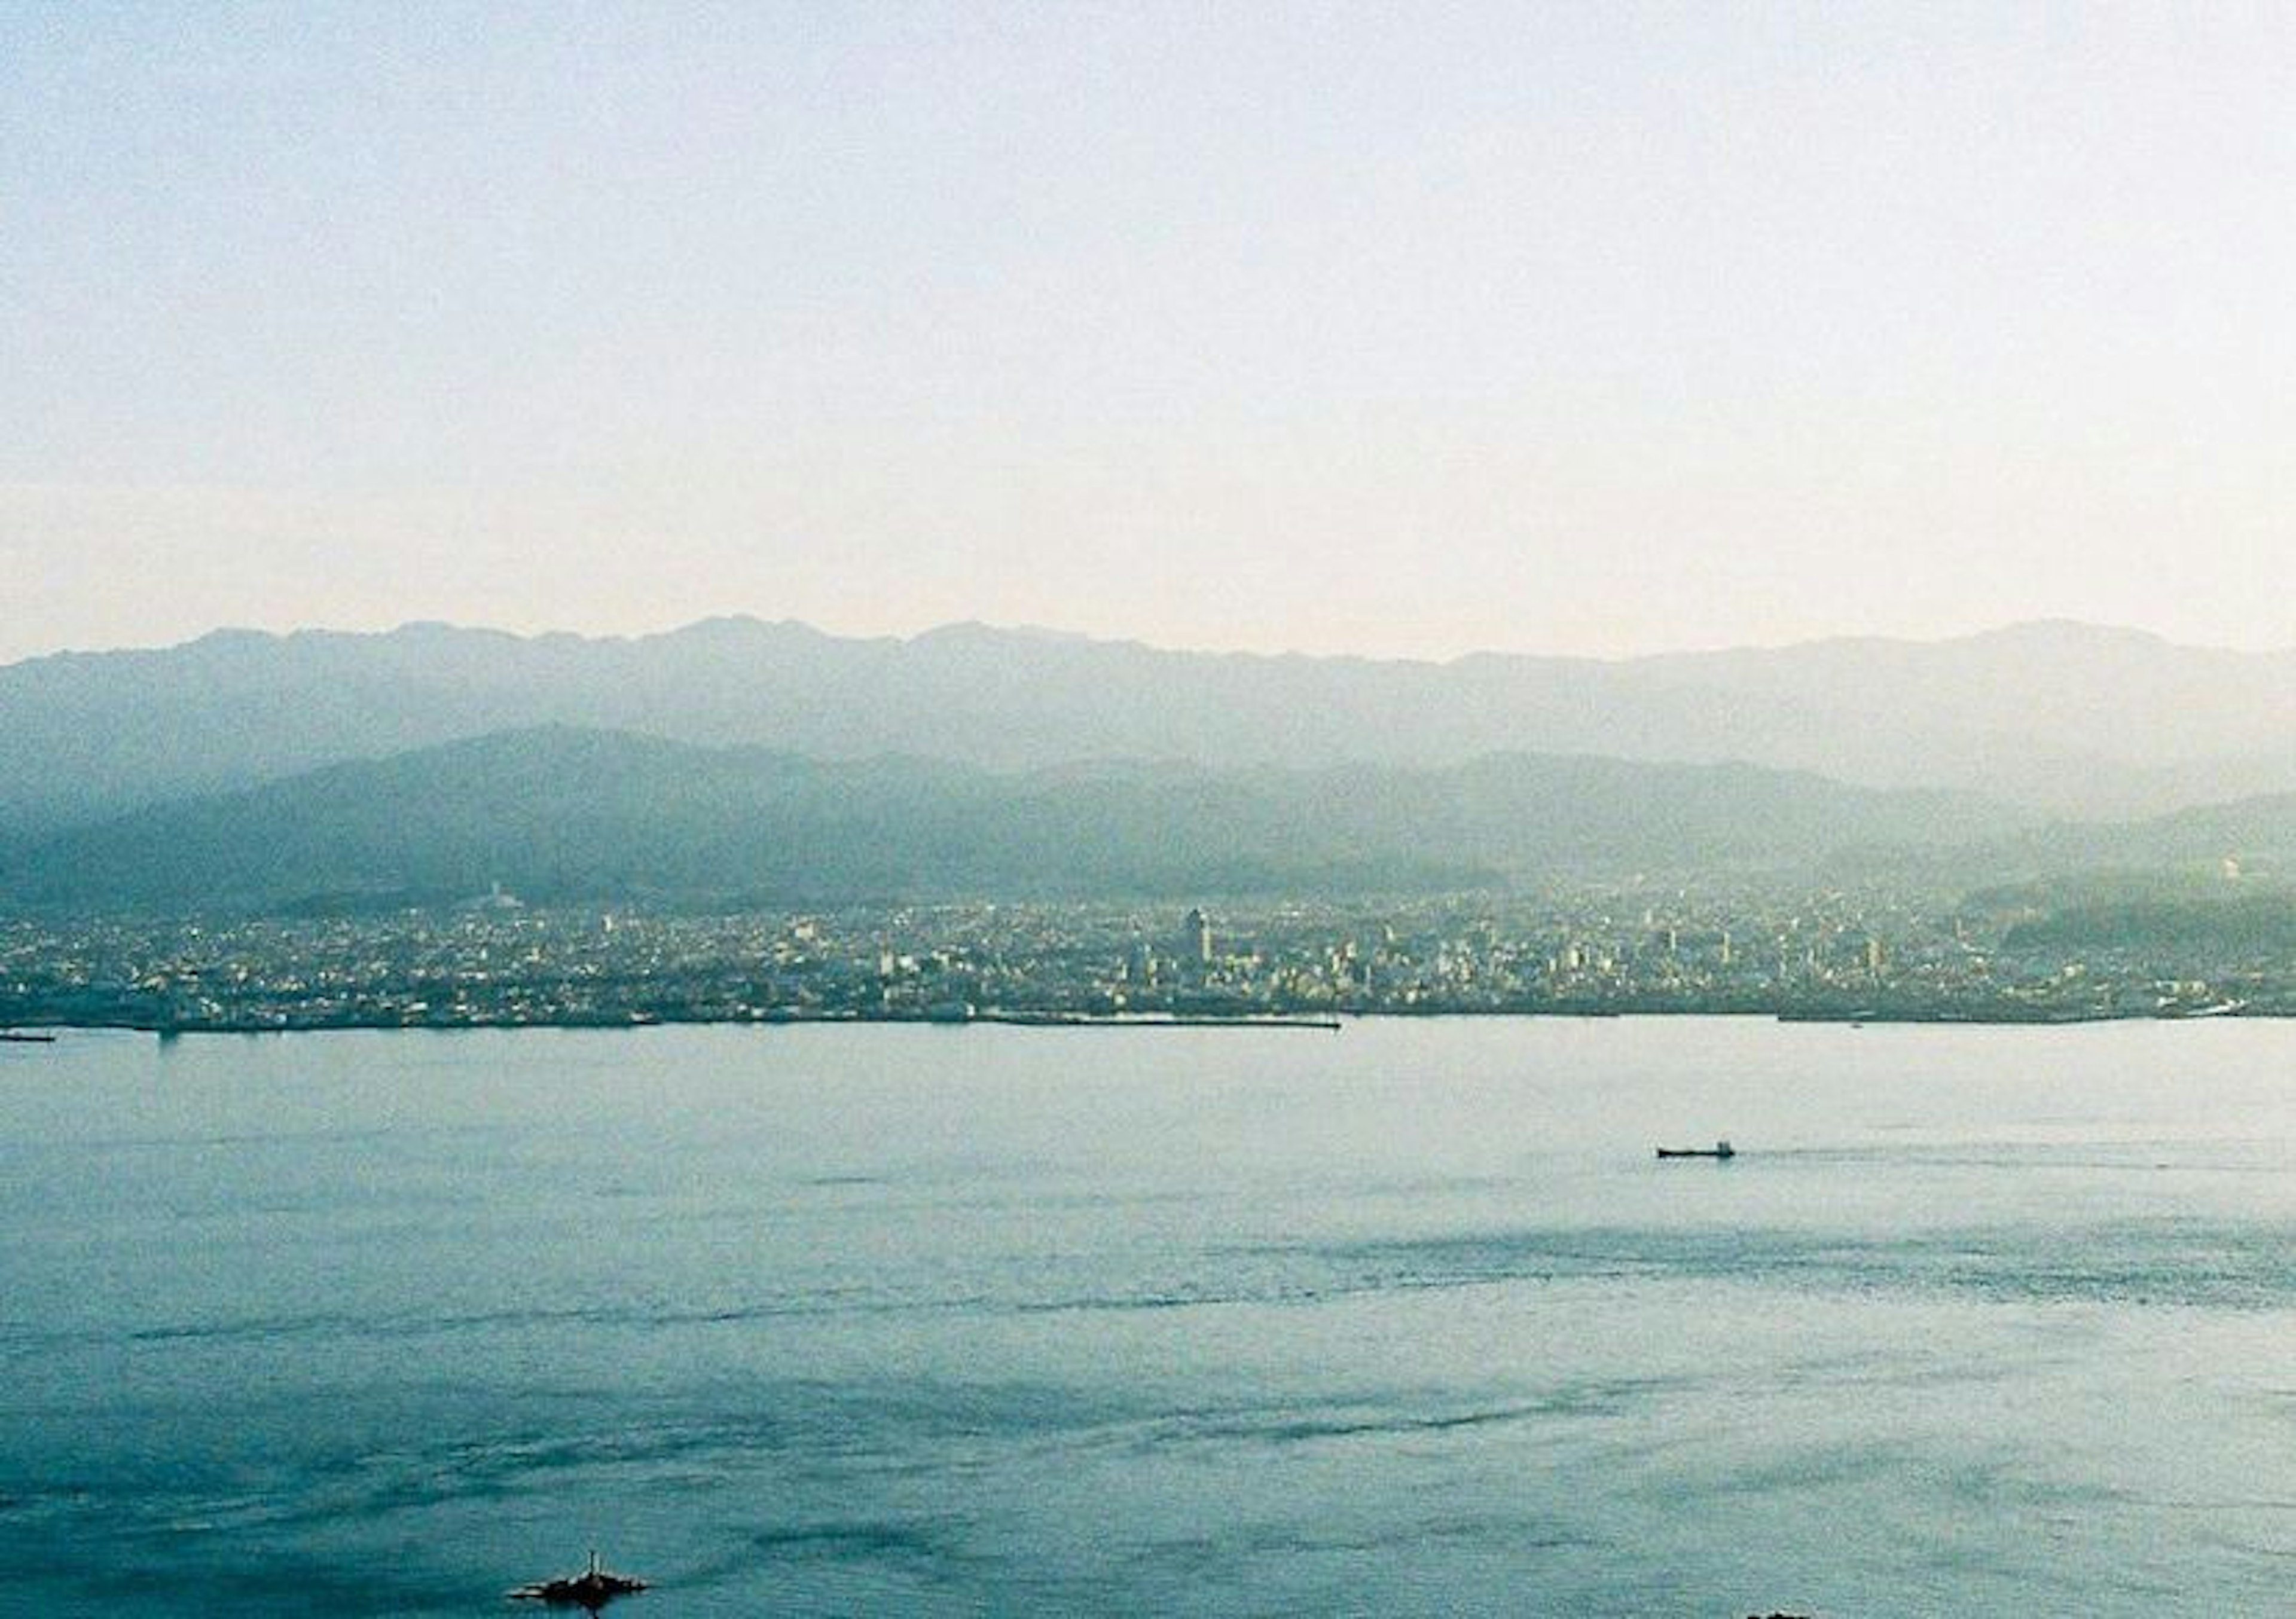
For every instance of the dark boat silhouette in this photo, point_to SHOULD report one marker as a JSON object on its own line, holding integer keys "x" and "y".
{"x": 593, "y": 1588}
{"x": 1721, "y": 1149}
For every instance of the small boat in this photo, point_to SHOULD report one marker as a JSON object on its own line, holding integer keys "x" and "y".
{"x": 10, "y": 1037}
{"x": 593, "y": 1588}
{"x": 1720, "y": 1151}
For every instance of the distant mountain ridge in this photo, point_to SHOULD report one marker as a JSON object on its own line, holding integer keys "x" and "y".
{"x": 2061, "y": 717}
{"x": 561, "y": 812}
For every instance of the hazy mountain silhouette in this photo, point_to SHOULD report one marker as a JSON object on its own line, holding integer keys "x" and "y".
{"x": 561, "y": 812}
{"x": 2074, "y": 720}
{"x": 2255, "y": 835}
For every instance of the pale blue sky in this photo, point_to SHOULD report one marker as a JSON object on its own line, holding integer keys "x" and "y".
{"x": 1409, "y": 329}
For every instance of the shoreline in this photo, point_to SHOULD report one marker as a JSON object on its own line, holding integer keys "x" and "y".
{"x": 35, "y": 1031}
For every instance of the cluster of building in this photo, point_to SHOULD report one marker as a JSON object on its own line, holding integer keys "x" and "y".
{"x": 1589, "y": 950}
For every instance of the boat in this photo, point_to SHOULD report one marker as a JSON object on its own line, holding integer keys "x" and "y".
{"x": 593, "y": 1588}
{"x": 10, "y": 1037}
{"x": 1720, "y": 1151}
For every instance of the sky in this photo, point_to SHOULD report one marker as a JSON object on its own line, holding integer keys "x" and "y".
{"x": 1405, "y": 330}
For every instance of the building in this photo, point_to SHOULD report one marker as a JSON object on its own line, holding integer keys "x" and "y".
{"x": 1196, "y": 939}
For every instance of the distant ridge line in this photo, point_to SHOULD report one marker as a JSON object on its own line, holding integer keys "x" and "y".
{"x": 2014, "y": 630}
{"x": 2057, "y": 718}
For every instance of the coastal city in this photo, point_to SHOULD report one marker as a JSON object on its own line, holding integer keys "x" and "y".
{"x": 1594, "y": 950}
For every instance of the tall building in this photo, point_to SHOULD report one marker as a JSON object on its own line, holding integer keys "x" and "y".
{"x": 1196, "y": 938}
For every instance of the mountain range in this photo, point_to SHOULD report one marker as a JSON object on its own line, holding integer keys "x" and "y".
{"x": 2058, "y": 718}
{"x": 739, "y": 759}
{"x": 560, "y": 813}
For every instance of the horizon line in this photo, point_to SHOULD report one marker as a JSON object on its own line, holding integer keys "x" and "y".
{"x": 752, "y": 620}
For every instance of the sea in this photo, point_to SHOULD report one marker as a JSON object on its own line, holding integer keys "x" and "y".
{"x": 1406, "y": 1319}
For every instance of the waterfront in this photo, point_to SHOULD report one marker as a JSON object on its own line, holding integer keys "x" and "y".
{"x": 894, "y": 1319}
{"x": 1576, "y": 950}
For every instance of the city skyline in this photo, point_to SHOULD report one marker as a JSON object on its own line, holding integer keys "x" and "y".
{"x": 1478, "y": 328}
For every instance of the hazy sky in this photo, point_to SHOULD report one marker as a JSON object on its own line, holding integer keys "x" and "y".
{"x": 1411, "y": 329}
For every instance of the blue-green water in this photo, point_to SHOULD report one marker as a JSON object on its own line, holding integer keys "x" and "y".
{"x": 1404, "y": 1319}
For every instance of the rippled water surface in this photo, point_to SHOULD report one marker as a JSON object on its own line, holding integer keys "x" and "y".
{"x": 1403, "y": 1319}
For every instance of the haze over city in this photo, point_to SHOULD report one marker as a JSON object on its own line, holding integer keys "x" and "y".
{"x": 1144, "y": 807}
{"x": 1584, "y": 330}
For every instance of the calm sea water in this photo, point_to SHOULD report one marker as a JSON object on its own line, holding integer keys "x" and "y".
{"x": 1406, "y": 1320}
